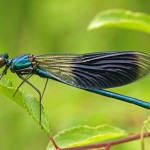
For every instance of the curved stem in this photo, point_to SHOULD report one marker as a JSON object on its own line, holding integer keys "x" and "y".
{"x": 105, "y": 145}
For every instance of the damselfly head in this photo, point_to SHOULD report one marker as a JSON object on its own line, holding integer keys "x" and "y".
{"x": 3, "y": 62}
{"x": 3, "y": 59}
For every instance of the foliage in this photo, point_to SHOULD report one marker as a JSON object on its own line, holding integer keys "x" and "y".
{"x": 122, "y": 19}
{"x": 85, "y": 135}
{"x": 57, "y": 26}
{"x": 147, "y": 124}
{"x": 25, "y": 100}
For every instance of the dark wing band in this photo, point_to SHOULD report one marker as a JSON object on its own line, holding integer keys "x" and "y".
{"x": 96, "y": 70}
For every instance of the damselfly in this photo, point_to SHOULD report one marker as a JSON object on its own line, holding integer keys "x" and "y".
{"x": 93, "y": 72}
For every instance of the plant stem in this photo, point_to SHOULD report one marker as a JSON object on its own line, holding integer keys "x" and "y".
{"x": 105, "y": 145}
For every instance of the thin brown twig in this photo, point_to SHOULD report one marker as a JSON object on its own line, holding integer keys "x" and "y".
{"x": 105, "y": 145}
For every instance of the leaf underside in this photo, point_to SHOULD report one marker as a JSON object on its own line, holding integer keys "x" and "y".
{"x": 122, "y": 19}
{"x": 84, "y": 135}
{"x": 147, "y": 124}
{"x": 26, "y": 101}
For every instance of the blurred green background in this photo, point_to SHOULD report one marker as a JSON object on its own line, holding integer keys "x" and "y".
{"x": 38, "y": 27}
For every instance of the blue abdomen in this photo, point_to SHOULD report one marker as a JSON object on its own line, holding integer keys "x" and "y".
{"x": 45, "y": 74}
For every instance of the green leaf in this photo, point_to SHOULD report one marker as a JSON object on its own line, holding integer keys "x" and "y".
{"x": 147, "y": 124}
{"x": 25, "y": 100}
{"x": 84, "y": 135}
{"x": 122, "y": 19}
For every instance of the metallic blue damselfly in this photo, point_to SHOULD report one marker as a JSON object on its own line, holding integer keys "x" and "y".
{"x": 93, "y": 72}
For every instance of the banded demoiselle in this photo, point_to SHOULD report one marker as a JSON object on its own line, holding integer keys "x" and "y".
{"x": 93, "y": 72}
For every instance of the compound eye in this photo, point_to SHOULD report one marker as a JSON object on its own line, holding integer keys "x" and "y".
{"x": 2, "y": 62}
